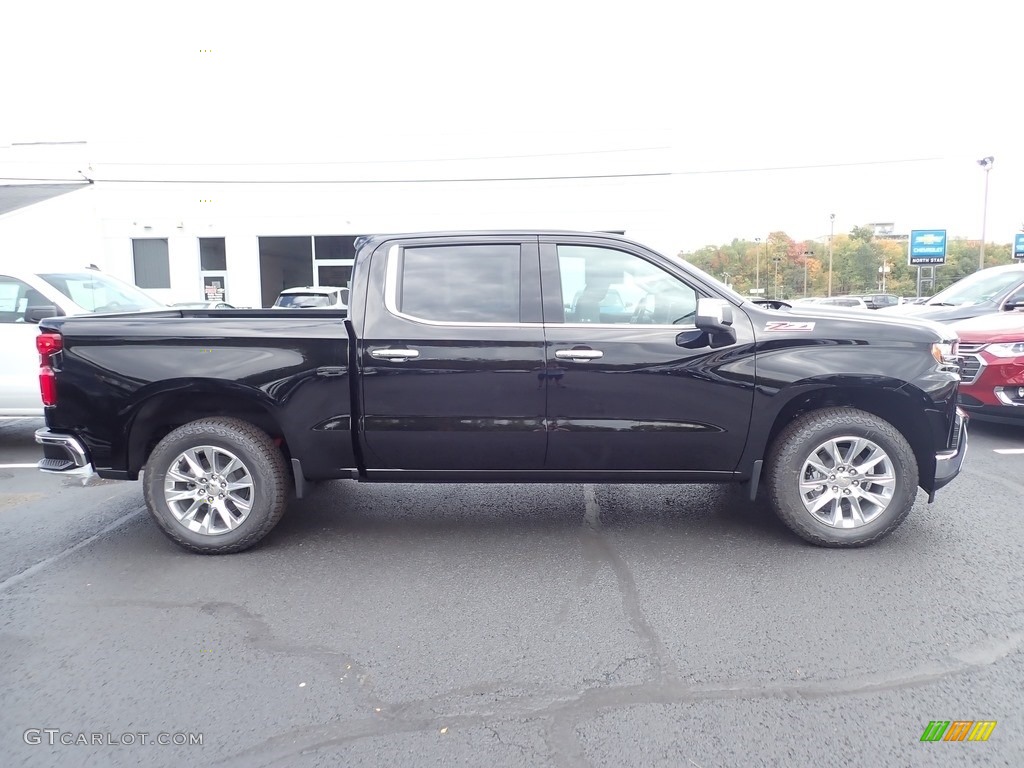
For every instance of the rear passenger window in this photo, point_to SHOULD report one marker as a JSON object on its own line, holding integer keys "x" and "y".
{"x": 459, "y": 284}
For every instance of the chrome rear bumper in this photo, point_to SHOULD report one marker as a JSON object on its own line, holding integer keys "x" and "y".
{"x": 63, "y": 454}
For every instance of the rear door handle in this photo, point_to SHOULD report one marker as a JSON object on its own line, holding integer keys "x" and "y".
{"x": 397, "y": 355}
{"x": 578, "y": 354}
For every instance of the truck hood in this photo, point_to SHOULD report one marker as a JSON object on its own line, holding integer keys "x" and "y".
{"x": 866, "y": 322}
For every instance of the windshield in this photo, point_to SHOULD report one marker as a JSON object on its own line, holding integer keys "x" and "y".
{"x": 303, "y": 300}
{"x": 976, "y": 288}
{"x": 96, "y": 292}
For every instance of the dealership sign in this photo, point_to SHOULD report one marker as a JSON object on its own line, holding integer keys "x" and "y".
{"x": 927, "y": 247}
{"x": 1018, "y": 245}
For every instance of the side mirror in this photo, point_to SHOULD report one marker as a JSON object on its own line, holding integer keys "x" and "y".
{"x": 1014, "y": 302}
{"x": 714, "y": 317}
{"x": 41, "y": 312}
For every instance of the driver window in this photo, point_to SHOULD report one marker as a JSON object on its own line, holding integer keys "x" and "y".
{"x": 14, "y": 299}
{"x": 602, "y": 285}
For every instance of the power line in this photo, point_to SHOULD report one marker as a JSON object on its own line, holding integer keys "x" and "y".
{"x": 43, "y": 143}
{"x": 470, "y": 180}
{"x": 356, "y": 181}
{"x": 392, "y": 161}
{"x": 809, "y": 167}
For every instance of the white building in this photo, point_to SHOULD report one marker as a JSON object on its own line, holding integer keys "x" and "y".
{"x": 245, "y": 238}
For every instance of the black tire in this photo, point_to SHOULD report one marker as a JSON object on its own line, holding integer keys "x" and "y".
{"x": 795, "y": 445}
{"x": 261, "y": 460}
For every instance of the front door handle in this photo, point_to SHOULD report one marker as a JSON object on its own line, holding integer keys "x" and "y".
{"x": 578, "y": 354}
{"x": 397, "y": 355}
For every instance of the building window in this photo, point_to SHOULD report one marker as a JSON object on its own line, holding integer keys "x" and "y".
{"x": 212, "y": 254}
{"x": 335, "y": 246}
{"x": 333, "y": 275}
{"x": 152, "y": 263}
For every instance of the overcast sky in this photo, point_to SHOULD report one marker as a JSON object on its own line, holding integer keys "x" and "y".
{"x": 874, "y": 111}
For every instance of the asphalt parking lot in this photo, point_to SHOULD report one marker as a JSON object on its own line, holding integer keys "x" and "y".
{"x": 510, "y": 625}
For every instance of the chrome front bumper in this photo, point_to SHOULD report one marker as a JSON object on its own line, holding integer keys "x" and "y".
{"x": 948, "y": 463}
{"x": 63, "y": 454}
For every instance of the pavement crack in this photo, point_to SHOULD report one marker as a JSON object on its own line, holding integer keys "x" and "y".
{"x": 596, "y": 540}
{"x": 563, "y": 712}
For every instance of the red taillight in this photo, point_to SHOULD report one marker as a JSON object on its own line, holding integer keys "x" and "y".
{"x": 48, "y": 385}
{"x": 48, "y": 344}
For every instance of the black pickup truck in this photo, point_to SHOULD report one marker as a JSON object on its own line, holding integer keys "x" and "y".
{"x": 507, "y": 357}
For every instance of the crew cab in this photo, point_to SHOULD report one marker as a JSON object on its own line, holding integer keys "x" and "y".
{"x": 26, "y": 297}
{"x": 499, "y": 357}
{"x": 992, "y": 366}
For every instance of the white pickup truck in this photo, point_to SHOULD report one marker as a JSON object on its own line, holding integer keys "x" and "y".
{"x": 26, "y": 297}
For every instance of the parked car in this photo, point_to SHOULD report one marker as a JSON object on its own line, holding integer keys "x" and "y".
{"x": 996, "y": 289}
{"x": 853, "y": 302}
{"x": 991, "y": 352}
{"x": 26, "y": 297}
{"x": 202, "y": 305}
{"x": 457, "y": 362}
{"x": 879, "y": 300}
{"x": 313, "y": 297}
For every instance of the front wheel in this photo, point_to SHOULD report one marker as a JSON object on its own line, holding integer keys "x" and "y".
{"x": 841, "y": 477}
{"x": 216, "y": 486}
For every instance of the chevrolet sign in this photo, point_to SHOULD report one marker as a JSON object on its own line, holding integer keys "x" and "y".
{"x": 927, "y": 247}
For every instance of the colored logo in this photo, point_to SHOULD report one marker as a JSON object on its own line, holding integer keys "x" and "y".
{"x": 958, "y": 730}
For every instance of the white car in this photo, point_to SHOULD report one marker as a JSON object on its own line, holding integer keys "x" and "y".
{"x": 313, "y": 297}
{"x": 28, "y": 297}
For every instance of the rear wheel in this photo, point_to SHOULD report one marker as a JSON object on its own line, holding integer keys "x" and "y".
{"x": 216, "y": 486}
{"x": 841, "y": 477}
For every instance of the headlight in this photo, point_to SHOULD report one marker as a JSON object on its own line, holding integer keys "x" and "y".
{"x": 1013, "y": 349}
{"x": 945, "y": 352}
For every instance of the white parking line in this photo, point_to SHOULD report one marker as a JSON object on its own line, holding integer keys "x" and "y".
{"x": 1009, "y": 451}
{"x": 34, "y": 569}
{"x": 18, "y": 466}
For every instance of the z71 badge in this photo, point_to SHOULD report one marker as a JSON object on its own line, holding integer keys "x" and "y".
{"x": 782, "y": 326}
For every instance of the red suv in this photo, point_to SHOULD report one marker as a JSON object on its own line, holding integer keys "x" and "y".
{"x": 992, "y": 366}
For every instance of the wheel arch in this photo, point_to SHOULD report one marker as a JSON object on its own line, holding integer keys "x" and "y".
{"x": 161, "y": 411}
{"x": 902, "y": 406}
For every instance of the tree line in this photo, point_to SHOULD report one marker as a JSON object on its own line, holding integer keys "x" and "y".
{"x": 780, "y": 265}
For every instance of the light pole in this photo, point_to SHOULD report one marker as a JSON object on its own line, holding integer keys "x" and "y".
{"x": 986, "y": 163}
{"x": 777, "y": 259}
{"x": 806, "y": 254}
{"x": 831, "y": 232}
{"x": 757, "y": 258}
